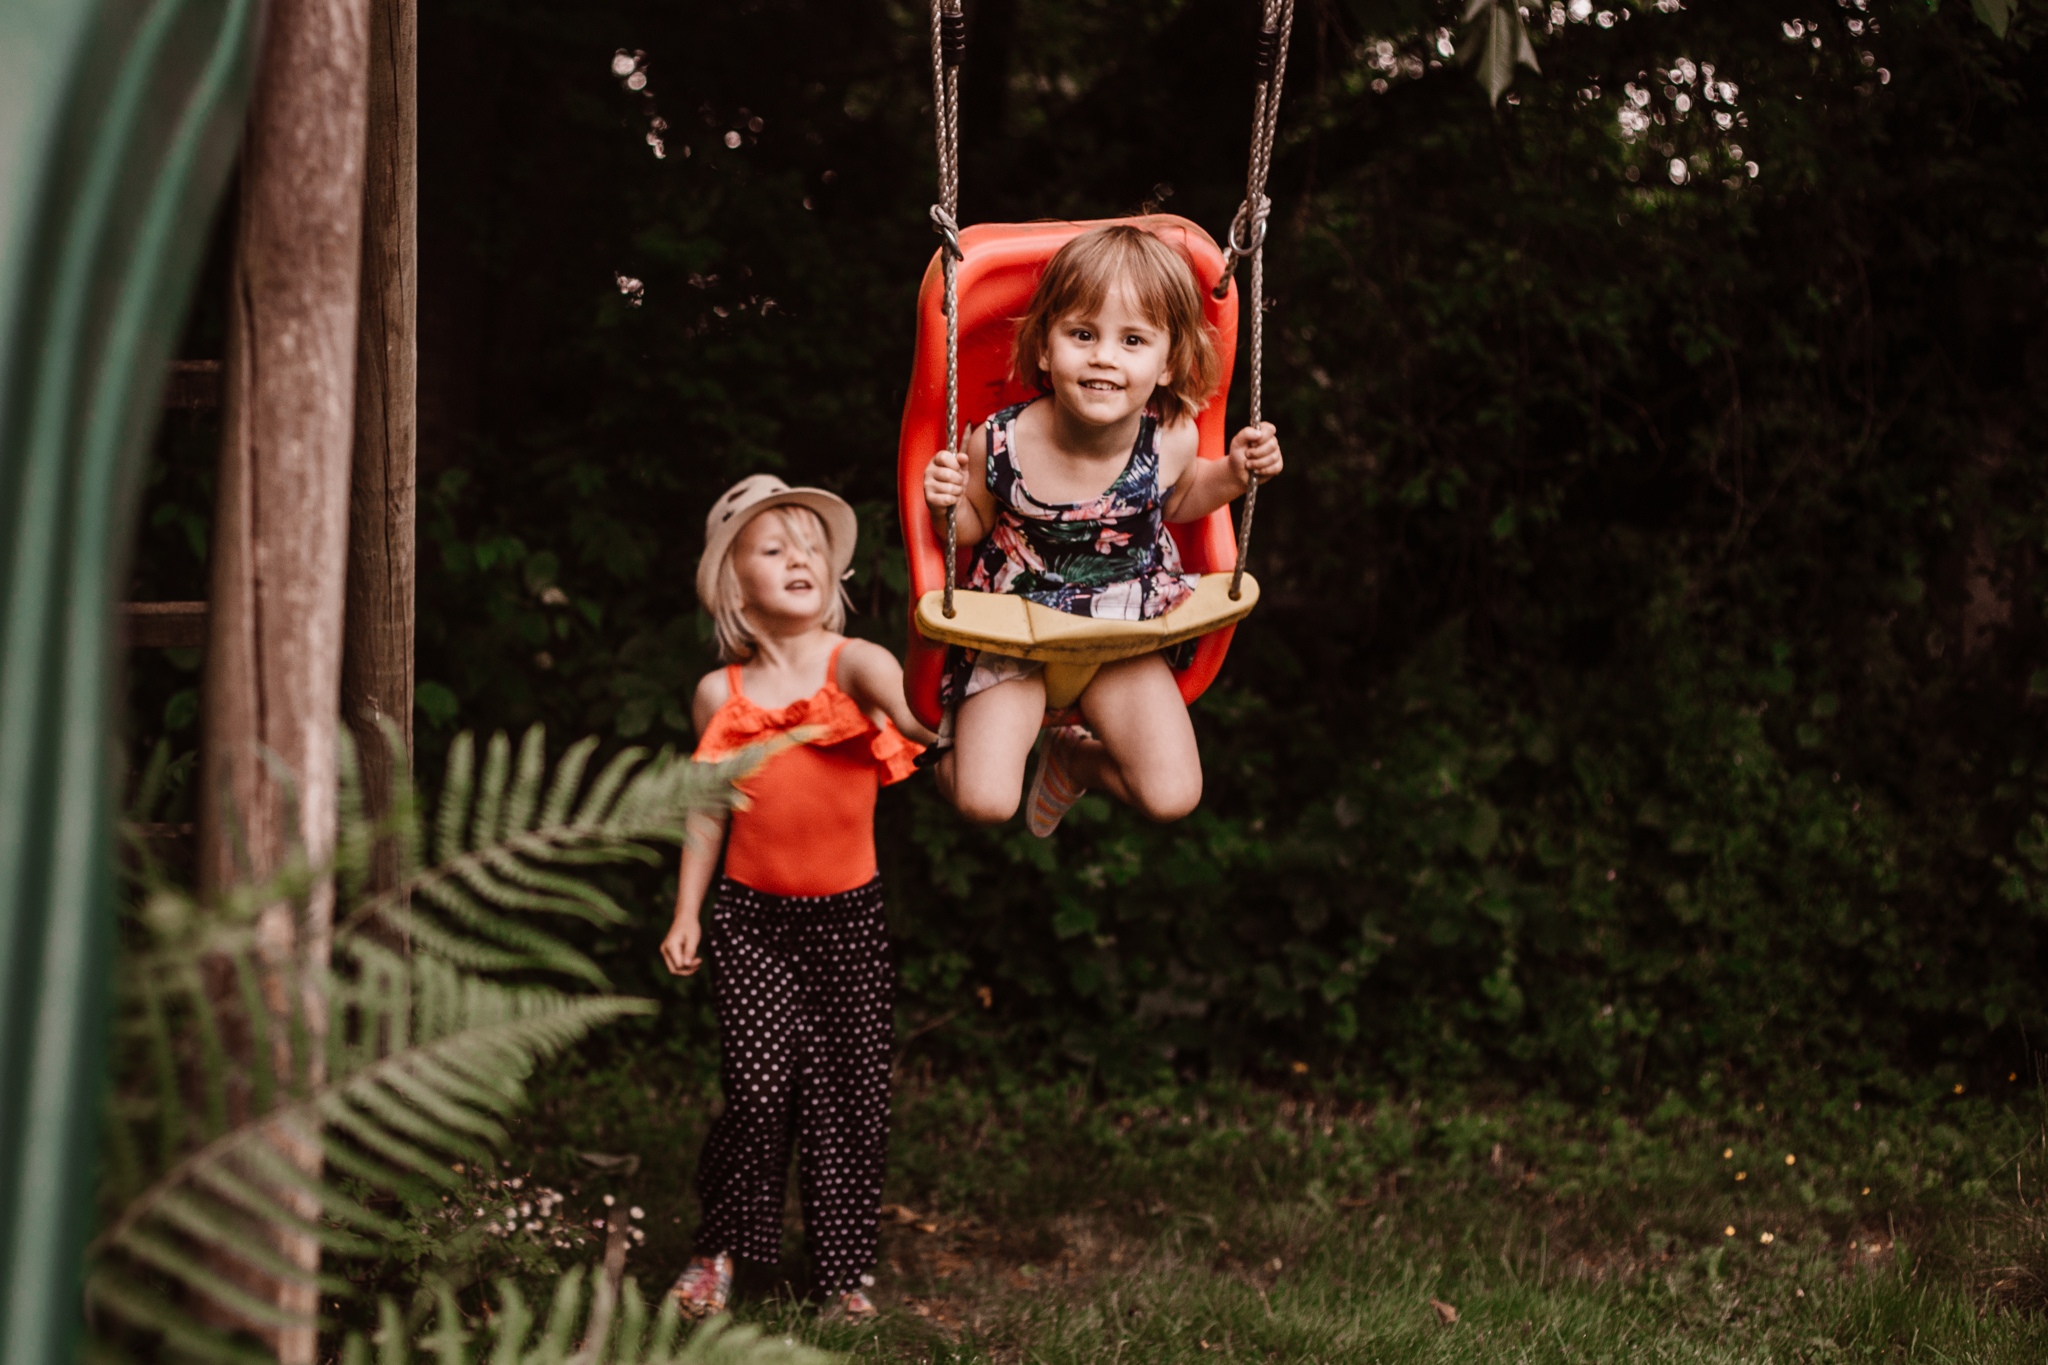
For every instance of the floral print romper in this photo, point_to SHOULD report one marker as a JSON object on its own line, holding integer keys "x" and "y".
{"x": 1109, "y": 557}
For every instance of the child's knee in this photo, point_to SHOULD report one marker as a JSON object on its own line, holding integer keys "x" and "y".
{"x": 985, "y": 804}
{"x": 1168, "y": 796}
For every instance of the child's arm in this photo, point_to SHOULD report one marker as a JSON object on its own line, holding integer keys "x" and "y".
{"x": 700, "y": 858}
{"x": 961, "y": 478}
{"x": 1205, "y": 485}
{"x": 705, "y": 832}
{"x": 871, "y": 676}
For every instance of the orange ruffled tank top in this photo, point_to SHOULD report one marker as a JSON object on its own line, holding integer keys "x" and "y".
{"x": 807, "y": 827}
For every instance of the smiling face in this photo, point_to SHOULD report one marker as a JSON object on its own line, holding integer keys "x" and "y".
{"x": 1104, "y": 363}
{"x": 1121, "y": 303}
{"x": 782, "y": 569}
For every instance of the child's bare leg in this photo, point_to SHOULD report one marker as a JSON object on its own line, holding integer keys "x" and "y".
{"x": 983, "y": 773}
{"x": 1147, "y": 756}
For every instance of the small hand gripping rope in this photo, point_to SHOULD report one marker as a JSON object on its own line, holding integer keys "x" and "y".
{"x": 1248, "y": 231}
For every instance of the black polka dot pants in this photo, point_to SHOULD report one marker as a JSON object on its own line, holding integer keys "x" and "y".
{"x": 804, "y": 993}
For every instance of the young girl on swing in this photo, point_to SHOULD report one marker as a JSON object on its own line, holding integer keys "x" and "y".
{"x": 1067, "y": 496}
{"x": 802, "y": 982}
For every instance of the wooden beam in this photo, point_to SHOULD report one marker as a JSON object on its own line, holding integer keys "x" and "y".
{"x": 280, "y": 535}
{"x": 377, "y": 639}
{"x": 163, "y": 625}
{"x": 193, "y": 385}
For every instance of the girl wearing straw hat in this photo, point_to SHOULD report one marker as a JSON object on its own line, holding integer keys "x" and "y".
{"x": 803, "y": 983}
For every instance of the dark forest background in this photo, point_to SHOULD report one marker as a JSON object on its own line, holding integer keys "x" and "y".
{"x": 1649, "y": 691}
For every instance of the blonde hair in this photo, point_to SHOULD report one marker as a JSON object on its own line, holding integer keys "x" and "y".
{"x": 1162, "y": 286}
{"x": 736, "y": 639}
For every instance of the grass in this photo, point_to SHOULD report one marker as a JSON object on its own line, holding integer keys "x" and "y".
{"x": 1041, "y": 1223}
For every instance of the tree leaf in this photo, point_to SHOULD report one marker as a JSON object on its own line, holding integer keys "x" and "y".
{"x": 1996, "y": 14}
{"x": 1496, "y": 39}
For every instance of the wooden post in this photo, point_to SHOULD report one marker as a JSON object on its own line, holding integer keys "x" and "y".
{"x": 377, "y": 636}
{"x": 273, "y": 674}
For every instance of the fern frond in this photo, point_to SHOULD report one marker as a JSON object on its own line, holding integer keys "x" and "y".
{"x": 502, "y": 850}
{"x": 149, "y": 1309}
{"x": 240, "y": 1077}
{"x": 257, "y": 1201}
{"x": 568, "y": 781}
{"x": 427, "y": 935}
{"x": 530, "y": 947}
{"x": 209, "y": 1224}
{"x": 459, "y": 1049}
{"x": 483, "y": 829}
{"x": 175, "y": 1261}
{"x": 582, "y": 1327}
{"x": 526, "y": 781}
{"x": 502, "y": 1048}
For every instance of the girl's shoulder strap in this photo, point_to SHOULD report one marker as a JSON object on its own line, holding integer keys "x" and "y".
{"x": 1148, "y": 427}
{"x": 1000, "y": 466}
{"x": 832, "y": 663}
{"x": 1003, "y": 417}
{"x": 733, "y": 690}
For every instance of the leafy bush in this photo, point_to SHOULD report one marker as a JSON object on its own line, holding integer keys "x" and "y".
{"x": 1649, "y": 686}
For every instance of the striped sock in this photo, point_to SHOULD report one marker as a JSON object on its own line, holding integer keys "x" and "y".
{"x": 1053, "y": 790}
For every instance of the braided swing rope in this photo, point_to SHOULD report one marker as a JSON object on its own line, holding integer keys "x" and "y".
{"x": 949, "y": 45}
{"x": 1248, "y": 234}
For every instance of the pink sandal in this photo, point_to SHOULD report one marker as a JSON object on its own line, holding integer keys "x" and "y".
{"x": 853, "y": 1306}
{"x": 705, "y": 1286}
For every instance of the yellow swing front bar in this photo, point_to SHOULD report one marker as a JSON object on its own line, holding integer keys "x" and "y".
{"x": 1073, "y": 647}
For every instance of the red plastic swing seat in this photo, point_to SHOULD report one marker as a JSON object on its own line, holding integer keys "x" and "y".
{"x": 1001, "y": 266}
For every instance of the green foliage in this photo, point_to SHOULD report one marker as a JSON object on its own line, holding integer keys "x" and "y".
{"x": 1996, "y": 14}
{"x": 616, "y": 1331}
{"x": 1496, "y": 42}
{"x": 498, "y": 842}
{"x": 1623, "y": 445}
{"x": 1312, "y": 1224}
{"x": 278, "y": 1088}
{"x": 1600, "y": 482}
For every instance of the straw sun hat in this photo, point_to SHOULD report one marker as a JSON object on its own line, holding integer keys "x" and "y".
{"x": 754, "y": 495}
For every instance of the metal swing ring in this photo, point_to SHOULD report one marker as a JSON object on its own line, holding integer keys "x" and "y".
{"x": 943, "y": 224}
{"x": 1247, "y": 234}
{"x": 1248, "y": 228}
